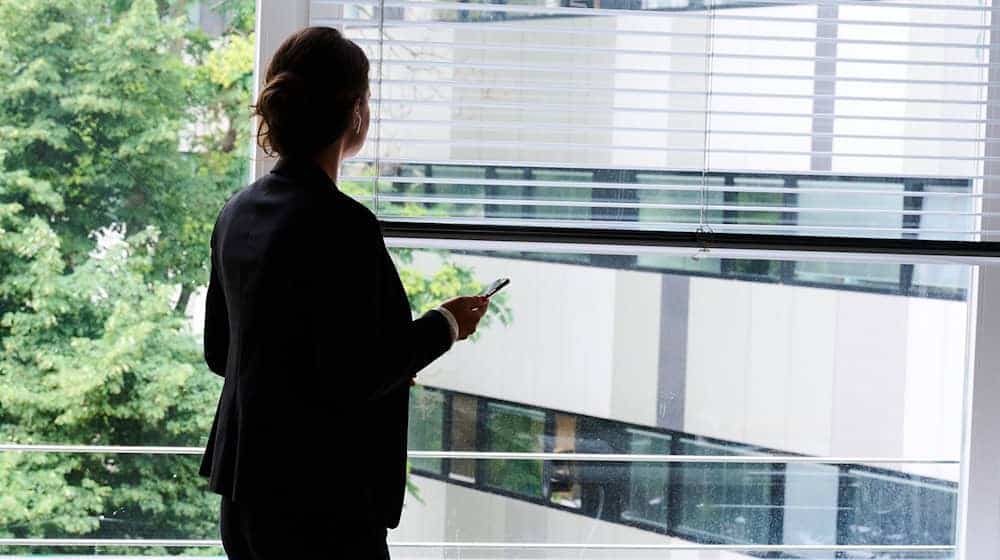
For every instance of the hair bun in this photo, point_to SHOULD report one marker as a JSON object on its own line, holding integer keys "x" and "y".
{"x": 284, "y": 87}
{"x": 313, "y": 83}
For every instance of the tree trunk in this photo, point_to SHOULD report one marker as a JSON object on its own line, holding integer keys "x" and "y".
{"x": 185, "y": 297}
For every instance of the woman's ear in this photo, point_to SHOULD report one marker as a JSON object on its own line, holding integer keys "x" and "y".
{"x": 357, "y": 116}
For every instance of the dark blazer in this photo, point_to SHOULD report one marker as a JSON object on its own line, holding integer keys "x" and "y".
{"x": 307, "y": 320}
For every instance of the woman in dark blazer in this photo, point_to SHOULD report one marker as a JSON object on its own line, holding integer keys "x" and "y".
{"x": 307, "y": 320}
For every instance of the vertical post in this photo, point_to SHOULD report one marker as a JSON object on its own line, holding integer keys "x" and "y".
{"x": 549, "y": 435}
{"x": 914, "y": 203}
{"x": 979, "y": 498}
{"x": 845, "y": 506}
{"x": 446, "y": 436}
{"x": 789, "y": 200}
{"x": 528, "y": 193}
{"x": 824, "y": 86}
{"x": 620, "y": 214}
{"x": 979, "y": 501}
{"x": 276, "y": 20}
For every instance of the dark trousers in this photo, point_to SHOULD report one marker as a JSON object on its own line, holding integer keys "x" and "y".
{"x": 294, "y": 530}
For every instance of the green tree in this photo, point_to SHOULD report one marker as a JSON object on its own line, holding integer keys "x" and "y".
{"x": 103, "y": 223}
{"x": 122, "y": 131}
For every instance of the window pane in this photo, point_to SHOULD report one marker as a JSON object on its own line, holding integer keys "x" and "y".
{"x": 511, "y": 428}
{"x": 648, "y": 482}
{"x": 563, "y": 482}
{"x": 727, "y": 502}
{"x": 618, "y": 358}
{"x": 464, "y": 414}
{"x": 801, "y": 119}
{"x": 426, "y": 427}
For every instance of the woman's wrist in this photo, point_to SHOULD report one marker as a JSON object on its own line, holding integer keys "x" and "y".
{"x": 452, "y": 322}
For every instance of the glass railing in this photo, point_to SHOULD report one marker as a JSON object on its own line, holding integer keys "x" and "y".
{"x": 684, "y": 493}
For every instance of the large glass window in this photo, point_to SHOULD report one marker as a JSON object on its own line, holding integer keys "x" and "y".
{"x": 125, "y": 127}
{"x": 806, "y": 374}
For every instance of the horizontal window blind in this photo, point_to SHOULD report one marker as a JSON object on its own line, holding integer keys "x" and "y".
{"x": 860, "y": 118}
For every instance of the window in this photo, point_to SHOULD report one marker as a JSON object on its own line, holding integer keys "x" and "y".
{"x": 883, "y": 509}
{"x": 800, "y": 119}
{"x": 464, "y": 423}
{"x": 124, "y": 132}
{"x": 426, "y": 426}
{"x": 648, "y": 482}
{"x": 511, "y": 428}
{"x": 751, "y": 239}
{"x": 729, "y": 502}
{"x": 815, "y": 387}
{"x": 563, "y": 481}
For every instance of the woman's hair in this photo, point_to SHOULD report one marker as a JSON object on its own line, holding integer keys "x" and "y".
{"x": 312, "y": 85}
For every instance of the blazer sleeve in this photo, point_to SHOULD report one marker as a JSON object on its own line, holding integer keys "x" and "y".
{"x": 216, "y": 332}
{"x": 395, "y": 346}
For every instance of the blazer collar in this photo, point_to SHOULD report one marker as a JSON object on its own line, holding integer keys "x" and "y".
{"x": 304, "y": 170}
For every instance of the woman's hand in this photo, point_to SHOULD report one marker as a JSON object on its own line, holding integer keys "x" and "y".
{"x": 467, "y": 310}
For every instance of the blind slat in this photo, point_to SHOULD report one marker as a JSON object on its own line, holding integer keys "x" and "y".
{"x": 663, "y": 187}
{"x": 484, "y": 66}
{"x": 371, "y": 25}
{"x": 693, "y": 207}
{"x": 716, "y": 15}
{"x": 535, "y": 164}
{"x": 526, "y": 86}
{"x": 528, "y": 145}
{"x": 529, "y": 106}
{"x": 785, "y": 3}
{"x": 498, "y": 125}
{"x": 527, "y": 49}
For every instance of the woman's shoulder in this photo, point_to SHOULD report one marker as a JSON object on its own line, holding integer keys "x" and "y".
{"x": 305, "y": 207}
{"x": 355, "y": 210}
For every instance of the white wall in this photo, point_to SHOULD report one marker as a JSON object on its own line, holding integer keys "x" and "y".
{"x": 808, "y": 370}
{"x": 826, "y": 372}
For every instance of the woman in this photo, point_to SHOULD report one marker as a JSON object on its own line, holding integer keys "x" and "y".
{"x": 308, "y": 322}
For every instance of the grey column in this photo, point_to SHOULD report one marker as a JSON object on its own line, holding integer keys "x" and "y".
{"x": 672, "y": 372}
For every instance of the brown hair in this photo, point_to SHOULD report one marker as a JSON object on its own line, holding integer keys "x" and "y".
{"x": 311, "y": 87}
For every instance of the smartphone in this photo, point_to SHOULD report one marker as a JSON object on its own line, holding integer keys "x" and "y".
{"x": 496, "y": 286}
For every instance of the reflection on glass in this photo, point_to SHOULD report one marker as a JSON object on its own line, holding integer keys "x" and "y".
{"x": 564, "y": 488}
{"x": 648, "y": 482}
{"x": 729, "y": 502}
{"x": 883, "y": 508}
{"x": 464, "y": 411}
{"x": 103, "y": 496}
{"x": 426, "y": 426}
{"x": 511, "y": 428}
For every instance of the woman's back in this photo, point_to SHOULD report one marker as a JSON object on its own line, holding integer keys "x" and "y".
{"x": 288, "y": 277}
